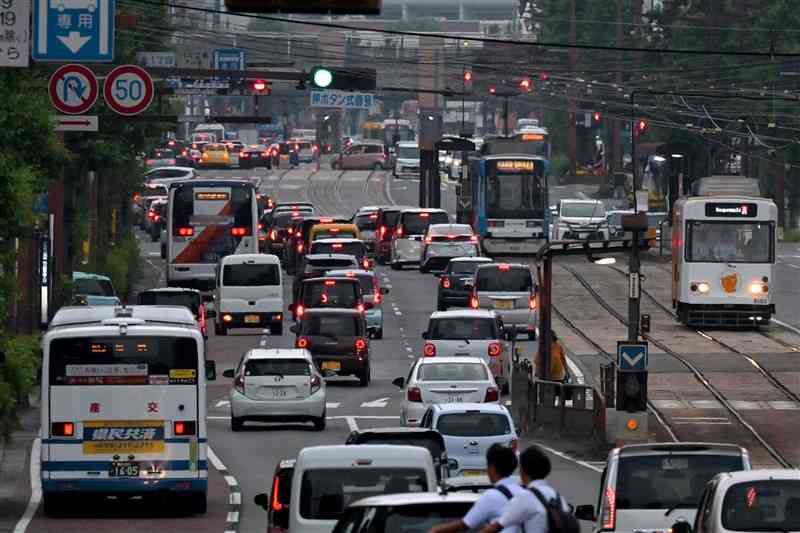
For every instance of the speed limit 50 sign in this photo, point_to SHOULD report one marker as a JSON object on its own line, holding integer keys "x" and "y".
{"x": 128, "y": 90}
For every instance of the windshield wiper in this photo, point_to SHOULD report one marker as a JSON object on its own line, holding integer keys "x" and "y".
{"x": 680, "y": 506}
{"x": 466, "y": 340}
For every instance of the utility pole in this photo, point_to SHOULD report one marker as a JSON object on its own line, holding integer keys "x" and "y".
{"x": 573, "y": 59}
{"x": 634, "y": 266}
{"x": 616, "y": 134}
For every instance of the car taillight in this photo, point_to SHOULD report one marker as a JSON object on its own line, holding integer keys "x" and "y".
{"x": 185, "y": 232}
{"x": 62, "y": 429}
{"x": 429, "y": 350}
{"x": 264, "y": 154}
{"x": 184, "y": 427}
{"x": 240, "y": 232}
{"x": 276, "y": 503}
{"x": 273, "y": 235}
{"x": 494, "y": 349}
{"x": 609, "y": 516}
{"x": 360, "y": 308}
{"x": 156, "y": 218}
{"x": 361, "y": 345}
{"x": 151, "y": 214}
{"x": 242, "y": 154}
{"x": 383, "y": 231}
{"x": 367, "y": 264}
{"x": 260, "y": 226}
{"x": 414, "y": 394}
{"x": 504, "y": 268}
{"x": 473, "y": 238}
{"x": 473, "y": 302}
{"x": 299, "y": 310}
{"x": 150, "y": 162}
{"x": 532, "y": 302}
{"x": 238, "y": 384}
{"x": 302, "y": 342}
{"x": 399, "y": 231}
{"x": 377, "y": 298}
{"x": 316, "y": 383}
{"x": 445, "y": 282}
{"x": 428, "y": 240}
{"x": 492, "y": 394}
{"x": 300, "y": 248}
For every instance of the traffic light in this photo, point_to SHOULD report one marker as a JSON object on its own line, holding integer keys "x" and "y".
{"x": 641, "y": 126}
{"x": 343, "y": 79}
{"x": 467, "y": 80}
{"x": 492, "y": 89}
{"x": 261, "y": 87}
{"x": 525, "y": 85}
{"x": 631, "y": 390}
{"x": 596, "y": 118}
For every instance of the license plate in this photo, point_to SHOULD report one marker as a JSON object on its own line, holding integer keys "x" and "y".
{"x": 123, "y": 469}
{"x": 582, "y": 235}
{"x": 280, "y": 392}
{"x": 251, "y": 319}
{"x": 331, "y": 365}
{"x": 473, "y": 473}
{"x": 503, "y": 304}
{"x": 455, "y": 399}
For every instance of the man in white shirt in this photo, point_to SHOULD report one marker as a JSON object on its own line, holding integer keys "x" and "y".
{"x": 525, "y": 510}
{"x": 501, "y": 463}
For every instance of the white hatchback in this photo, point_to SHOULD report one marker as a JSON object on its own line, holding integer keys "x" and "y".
{"x": 277, "y": 385}
{"x": 433, "y": 380}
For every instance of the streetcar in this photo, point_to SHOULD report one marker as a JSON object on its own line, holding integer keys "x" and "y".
{"x": 504, "y": 198}
{"x": 207, "y": 220}
{"x": 723, "y": 260}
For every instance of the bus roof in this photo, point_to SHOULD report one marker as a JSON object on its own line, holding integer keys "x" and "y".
{"x": 160, "y": 314}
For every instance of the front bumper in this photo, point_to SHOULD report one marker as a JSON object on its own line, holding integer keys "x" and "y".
{"x": 245, "y": 320}
{"x": 284, "y": 410}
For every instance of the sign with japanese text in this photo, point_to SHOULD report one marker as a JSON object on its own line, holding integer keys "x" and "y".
{"x": 73, "y": 30}
{"x": 157, "y": 59}
{"x": 15, "y": 29}
{"x": 342, "y": 99}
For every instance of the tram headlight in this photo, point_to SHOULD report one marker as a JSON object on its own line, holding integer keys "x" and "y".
{"x": 703, "y": 287}
{"x": 758, "y": 288}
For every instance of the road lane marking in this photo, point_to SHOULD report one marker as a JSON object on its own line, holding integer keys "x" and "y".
{"x": 222, "y": 403}
{"x": 234, "y": 496}
{"x": 332, "y": 405}
{"x": 351, "y": 423}
{"x": 233, "y": 517}
{"x": 380, "y": 402}
{"x": 36, "y": 489}
{"x": 231, "y": 481}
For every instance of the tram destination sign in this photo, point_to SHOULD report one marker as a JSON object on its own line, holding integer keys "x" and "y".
{"x": 514, "y": 165}
{"x": 731, "y": 210}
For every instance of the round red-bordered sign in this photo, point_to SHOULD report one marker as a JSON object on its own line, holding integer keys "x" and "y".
{"x": 128, "y": 90}
{"x": 73, "y": 89}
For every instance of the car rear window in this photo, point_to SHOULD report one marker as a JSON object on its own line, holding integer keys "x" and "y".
{"x": 329, "y": 264}
{"x": 417, "y": 223}
{"x": 463, "y": 267}
{"x": 335, "y": 326}
{"x": 185, "y": 299}
{"x": 422, "y": 517}
{"x": 326, "y": 493}
{"x": 282, "y": 219}
{"x": 334, "y": 234}
{"x": 474, "y": 424}
{"x": 666, "y": 481}
{"x": 331, "y": 293}
{"x": 411, "y": 439}
{"x": 497, "y": 280}
{"x": 94, "y": 287}
{"x": 283, "y": 367}
{"x": 256, "y": 275}
{"x": 348, "y": 248}
{"x": 769, "y": 505}
{"x": 366, "y": 221}
{"x": 390, "y": 218}
{"x": 452, "y": 372}
{"x": 458, "y": 328}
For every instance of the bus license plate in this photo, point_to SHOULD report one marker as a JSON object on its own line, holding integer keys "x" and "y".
{"x": 503, "y": 304}
{"x": 251, "y": 319}
{"x": 123, "y": 469}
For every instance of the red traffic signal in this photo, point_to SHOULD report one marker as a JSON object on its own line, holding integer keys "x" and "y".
{"x": 467, "y": 75}
{"x": 525, "y": 84}
{"x": 492, "y": 89}
{"x": 596, "y": 116}
{"x": 261, "y": 86}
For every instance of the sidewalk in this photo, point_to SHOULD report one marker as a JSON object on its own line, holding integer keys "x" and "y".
{"x": 15, "y": 483}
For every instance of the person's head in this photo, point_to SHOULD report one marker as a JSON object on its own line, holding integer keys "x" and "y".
{"x": 533, "y": 464}
{"x": 501, "y": 462}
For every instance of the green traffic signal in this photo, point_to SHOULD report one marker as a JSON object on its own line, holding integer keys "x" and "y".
{"x": 322, "y": 77}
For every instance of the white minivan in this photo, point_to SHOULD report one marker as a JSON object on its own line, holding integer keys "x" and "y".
{"x": 327, "y": 479}
{"x": 249, "y": 293}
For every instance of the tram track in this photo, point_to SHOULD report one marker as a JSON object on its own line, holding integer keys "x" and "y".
{"x": 698, "y": 373}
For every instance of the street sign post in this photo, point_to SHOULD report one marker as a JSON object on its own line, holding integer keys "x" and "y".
{"x": 229, "y": 59}
{"x": 632, "y": 356}
{"x": 73, "y": 89}
{"x": 128, "y": 90}
{"x": 15, "y": 19}
{"x": 77, "y": 123}
{"x": 342, "y": 99}
{"x": 73, "y": 30}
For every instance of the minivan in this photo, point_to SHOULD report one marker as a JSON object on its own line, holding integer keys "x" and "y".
{"x": 327, "y": 479}
{"x": 249, "y": 293}
{"x": 509, "y": 289}
{"x": 406, "y": 245}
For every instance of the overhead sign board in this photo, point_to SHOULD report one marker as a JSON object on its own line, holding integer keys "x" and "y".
{"x": 342, "y": 99}
{"x": 632, "y": 356}
{"x": 77, "y": 123}
{"x": 73, "y": 30}
{"x": 73, "y": 89}
{"x": 15, "y": 23}
{"x": 157, "y": 59}
{"x": 128, "y": 90}
{"x": 335, "y": 7}
{"x": 229, "y": 59}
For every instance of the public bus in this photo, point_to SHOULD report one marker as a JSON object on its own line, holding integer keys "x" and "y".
{"x": 508, "y": 199}
{"x": 723, "y": 260}
{"x": 123, "y": 405}
{"x": 372, "y": 130}
{"x": 216, "y": 130}
{"x": 207, "y": 220}
{"x": 536, "y": 139}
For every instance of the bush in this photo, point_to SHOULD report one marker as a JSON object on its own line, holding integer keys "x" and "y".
{"x": 18, "y": 377}
{"x": 792, "y": 235}
{"x": 122, "y": 264}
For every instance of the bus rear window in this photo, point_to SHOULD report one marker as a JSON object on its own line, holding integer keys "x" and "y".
{"x": 216, "y": 204}
{"x": 123, "y": 361}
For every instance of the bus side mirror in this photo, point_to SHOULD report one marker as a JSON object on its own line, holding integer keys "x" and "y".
{"x": 681, "y": 527}
{"x": 262, "y": 500}
{"x": 211, "y": 370}
{"x": 228, "y": 373}
{"x": 585, "y": 512}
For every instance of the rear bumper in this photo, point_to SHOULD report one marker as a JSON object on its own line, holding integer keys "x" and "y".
{"x": 407, "y": 251}
{"x": 512, "y": 245}
{"x": 454, "y": 298}
{"x": 125, "y": 486}
{"x": 238, "y": 319}
{"x": 198, "y": 276}
{"x": 350, "y": 364}
{"x": 295, "y": 409}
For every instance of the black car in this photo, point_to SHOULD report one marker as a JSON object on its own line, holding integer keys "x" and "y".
{"x": 329, "y": 292}
{"x": 452, "y": 289}
{"x": 276, "y": 503}
{"x": 159, "y": 221}
{"x": 315, "y": 266}
{"x": 274, "y": 230}
{"x": 255, "y": 155}
{"x": 298, "y": 243}
{"x": 192, "y": 299}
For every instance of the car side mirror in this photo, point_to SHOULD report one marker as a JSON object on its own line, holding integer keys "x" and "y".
{"x": 384, "y": 290}
{"x": 399, "y": 382}
{"x": 293, "y": 328}
{"x": 262, "y": 500}
{"x": 211, "y": 370}
{"x": 585, "y": 512}
{"x": 228, "y": 373}
{"x": 681, "y": 527}
{"x": 425, "y": 335}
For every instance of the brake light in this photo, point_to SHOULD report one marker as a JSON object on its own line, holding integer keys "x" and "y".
{"x": 337, "y": 246}
{"x": 300, "y": 248}
{"x": 367, "y": 264}
{"x": 325, "y": 220}
{"x": 151, "y": 213}
{"x": 238, "y": 384}
{"x": 202, "y": 312}
{"x": 62, "y": 429}
{"x": 414, "y": 394}
{"x": 473, "y": 302}
{"x": 264, "y": 154}
{"x": 334, "y": 230}
{"x": 273, "y": 235}
{"x": 184, "y": 427}
{"x": 609, "y": 517}
{"x": 316, "y": 384}
{"x": 296, "y": 146}
{"x": 504, "y": 267}
{"x": 243, "y": 154}
{"x": 184, "y": 152}
{"x": 156, "y": 218}
{"x": 276, "y": 503}
{"x": 473, "y": 238}
{"x": 429, "y": 350}
{"x": 185, "y": 232}
{"x": 240, "y": 232}
{"x": 302, "y": 342}
{"x": 492, "y": 394}
{"x": 399, "y": 231}
{"x": 330, "y": 282}
{"x": 360, "y": 308}
{"x": 445, "y": 282}
{"x": 260, "y": 226}
{"x": 374, "y": 216}
{"x": 361, "y": 345}
{"x": 300, "y": 310}
{"x": 150, "y": 162}
{"x": 424, "y": 215}
{"x": 494, "y": 349}
{"x": 532, "y": 302}
{"x": 383, "y": 231}
{"x": 377, "y": 298}
{"x": 428, "y": 239}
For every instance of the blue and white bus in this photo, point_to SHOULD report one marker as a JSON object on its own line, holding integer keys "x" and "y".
{"x": 124, "y": 405}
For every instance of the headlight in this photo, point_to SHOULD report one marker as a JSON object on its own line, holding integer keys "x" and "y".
{"x": 758, "y": 288}
{"x": 703, "y": 287}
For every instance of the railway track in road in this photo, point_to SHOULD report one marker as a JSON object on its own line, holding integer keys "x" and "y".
{"x": 701, "y": 376}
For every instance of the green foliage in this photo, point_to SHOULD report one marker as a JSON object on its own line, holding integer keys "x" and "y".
{"x": 123, "y": 264}
{"x": 791, "y": 235}
{"x": 18, "y": 376}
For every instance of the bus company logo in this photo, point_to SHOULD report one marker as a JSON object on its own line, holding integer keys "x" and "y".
{"x": 131, "y": 436}
{"x": 123, "y": 434}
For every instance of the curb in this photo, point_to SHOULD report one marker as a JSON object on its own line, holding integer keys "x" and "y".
{"x": 234, "y": 496}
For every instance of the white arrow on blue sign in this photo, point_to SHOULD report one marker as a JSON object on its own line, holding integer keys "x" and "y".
{"x": 73, "y": 30}
{"x": 632, "y": 356}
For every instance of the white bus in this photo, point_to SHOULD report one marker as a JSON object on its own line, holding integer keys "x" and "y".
{"x": 207, "y": 220}
{"x": 124, "y": 405}
{"x": 215, "y": 130}
{"x": 723, "y": 261}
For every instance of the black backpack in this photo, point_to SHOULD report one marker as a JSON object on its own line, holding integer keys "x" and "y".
{"x": 558, "y": 520}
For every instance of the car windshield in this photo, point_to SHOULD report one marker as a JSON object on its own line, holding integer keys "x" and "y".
{"x": 666, "y": 481}
{"x": 514, "y": 196}
{"x": 184, "y": 299}
{"x": 458, "y": 328}
{"x": 366, "y": 221}
{"x": 583, "y": 209}
{"x": 452, "y": 372}
{"x": 417, "y": 223}
{"x": 94, "y": 287}
{"x": 330, "y": 293}
{"x": 348, "y": 248}
{"x": 326, "y": 493}
{"x": 284, "y": 367}
{"x": 335, "y": 326}
{"x": 255, "y": 275}
{"x": 408, "y": 152}
{"x": 473, "y": 424}
{"x": 769, "y": 505}
{"x": 729, "y": 242}
{"x": 453, "y": 249}
{"x": 499, "y": 280}
{"x": 282, "y": 219}
{"x": 463, "y": 267}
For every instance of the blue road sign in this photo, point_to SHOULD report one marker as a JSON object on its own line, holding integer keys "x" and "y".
{"x": 632, "y": 356}
{"x": 73, "y": 30}
{"x": 229, "y": 59}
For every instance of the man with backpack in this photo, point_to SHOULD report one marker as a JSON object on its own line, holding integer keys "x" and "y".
{"x": 538, "y": 508}
{"x": 501, "y": 463}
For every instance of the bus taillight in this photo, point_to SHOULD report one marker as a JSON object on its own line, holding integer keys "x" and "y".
{"x": 62, "y": 429}
{"x": 184, "y": 427}
{"x": 240, "y": 232}
{"x": 185, "y": 232}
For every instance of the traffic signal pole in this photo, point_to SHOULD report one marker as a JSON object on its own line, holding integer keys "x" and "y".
{"x": 634, "y": 266}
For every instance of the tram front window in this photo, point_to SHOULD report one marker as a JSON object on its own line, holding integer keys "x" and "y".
{"x": 513, "y": 196}
{"x": 727, "y": 242}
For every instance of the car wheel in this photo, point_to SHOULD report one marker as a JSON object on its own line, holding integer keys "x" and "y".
{"x": 423, "y": 269}
{"x": 365, "y": 377}
{"x": 505, "y": 388}
{"x": 334, "y": 165}
{"x": 319, "y": 423}
{"x": 53, "y": 503}
{"x": 532, "y": 335}
{"x": 217, "y": 329}
{"x": 378, "y": 334}
{"x": 222, "y": 330}
{"x": 154, "y": 237}
{"x": 163, "y": 251}
{"x": 276, "y": 329}
{"x": 395, "y": 265}
{"x": 237, "y": 423}
{"x": 198, "y": 503}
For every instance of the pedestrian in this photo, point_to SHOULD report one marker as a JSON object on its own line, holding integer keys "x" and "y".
{"x": 558, "y": 361}
{"x": 501, "y": 462}
{"x": 530, "y": 509}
